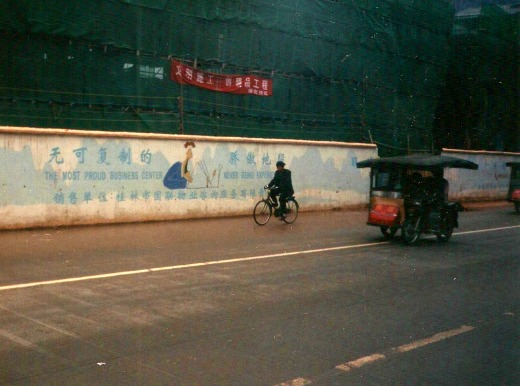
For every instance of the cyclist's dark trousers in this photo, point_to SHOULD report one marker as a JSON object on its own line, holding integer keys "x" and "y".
{"x": 283, "y": 198}
{"x": 283, "y": 202}
{"x": 273, "y": 194}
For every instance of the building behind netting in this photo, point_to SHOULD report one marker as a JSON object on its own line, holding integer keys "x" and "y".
{"x": 480, "y": 104}
{"x": 345, "y": 70}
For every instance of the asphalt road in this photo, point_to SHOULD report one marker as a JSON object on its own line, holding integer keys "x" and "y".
{"x": 325, "y": 301}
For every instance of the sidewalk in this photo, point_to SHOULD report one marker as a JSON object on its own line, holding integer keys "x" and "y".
{"x": 483, "y": 205}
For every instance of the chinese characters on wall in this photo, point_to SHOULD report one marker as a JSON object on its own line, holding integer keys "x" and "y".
{"x": 108, "y": 174}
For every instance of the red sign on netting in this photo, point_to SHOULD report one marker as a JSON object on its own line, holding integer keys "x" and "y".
{"x": 235, "y": 84}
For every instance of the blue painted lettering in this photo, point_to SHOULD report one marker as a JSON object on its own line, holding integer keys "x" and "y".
{"x": 53, "y": 176}
{"x": 231, "y": 175}
{"x": 267, "y": 175}
{"x": 152, "y": 175}
{"x": 95, "y": 176}
{"x": 71, "y": 176}
{"x": 124, "y": 175}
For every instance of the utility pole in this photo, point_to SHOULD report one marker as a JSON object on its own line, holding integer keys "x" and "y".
{"x": 181, "y": 112}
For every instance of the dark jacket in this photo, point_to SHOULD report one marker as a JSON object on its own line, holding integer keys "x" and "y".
{"x": 282, "y": 179}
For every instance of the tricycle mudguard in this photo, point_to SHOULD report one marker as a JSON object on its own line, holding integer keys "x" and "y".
{"x": 515, "y": 195}
{"x": 387, "y": 212}
{"x": 453, "y": 209}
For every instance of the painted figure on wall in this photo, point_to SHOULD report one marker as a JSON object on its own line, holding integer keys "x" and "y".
{"x": 180, "y": 174}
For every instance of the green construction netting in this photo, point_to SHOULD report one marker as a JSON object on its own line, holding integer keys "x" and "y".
{"x": 348, "y": 70}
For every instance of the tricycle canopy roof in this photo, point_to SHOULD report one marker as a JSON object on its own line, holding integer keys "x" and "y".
{"x": 418, "y": 161}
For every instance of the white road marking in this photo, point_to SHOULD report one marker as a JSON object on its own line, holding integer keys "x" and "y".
{"x": 433, "y": 339}
{"x": 184, "y": 266}
{"x": 366, "y": 360}
{"x": 360, "y": 362}
{"x": 216, "y": 262}
{"x": 16, "y": 339}
{"x": 72, "y": 279}
{"x": 356, "y": 364}
{"x": 61, "y": 331}
{"x": 487, "y": 230}
{"x": 296, "y": 382}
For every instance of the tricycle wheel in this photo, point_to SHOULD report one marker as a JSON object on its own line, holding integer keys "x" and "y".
{"x": 446, "y": 229}
{"x": 517, "y": 206}
{"x": 389, "y": 232}
{"x": 411, "y": 229}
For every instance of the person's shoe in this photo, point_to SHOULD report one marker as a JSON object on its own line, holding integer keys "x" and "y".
{"x": 282, "y": 217}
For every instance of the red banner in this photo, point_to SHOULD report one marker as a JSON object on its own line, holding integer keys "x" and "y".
{"x": 235, "y": 84}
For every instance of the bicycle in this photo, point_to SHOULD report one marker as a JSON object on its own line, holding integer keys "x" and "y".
{"x": 264, "y": 209}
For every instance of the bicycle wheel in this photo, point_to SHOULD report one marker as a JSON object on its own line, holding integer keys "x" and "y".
{"x": 291, "y": 211}
{"x": 262, "y": 212}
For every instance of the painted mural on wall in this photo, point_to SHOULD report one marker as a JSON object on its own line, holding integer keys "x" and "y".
{"x": 179, "y": 175}
{"x": 56, "y": 177}
{"x": 490, "y": 181}
{"x": 80, "y": 176}
{"x": 70, "y": 174}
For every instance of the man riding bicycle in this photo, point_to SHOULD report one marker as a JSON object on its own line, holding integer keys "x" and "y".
{"x": 282, "y": 182}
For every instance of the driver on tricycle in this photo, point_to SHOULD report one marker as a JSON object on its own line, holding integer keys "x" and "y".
{"x": 419, "y": 202}
{"x": 432, "y": 188}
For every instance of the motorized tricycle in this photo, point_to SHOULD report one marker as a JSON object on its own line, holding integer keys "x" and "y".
{"x": 411, "y": 194}
{"x": 513, "y": 194}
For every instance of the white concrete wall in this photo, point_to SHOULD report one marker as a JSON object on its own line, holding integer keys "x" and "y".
{"x": 489, "y": 182}
{"x": 64, "y": 177}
